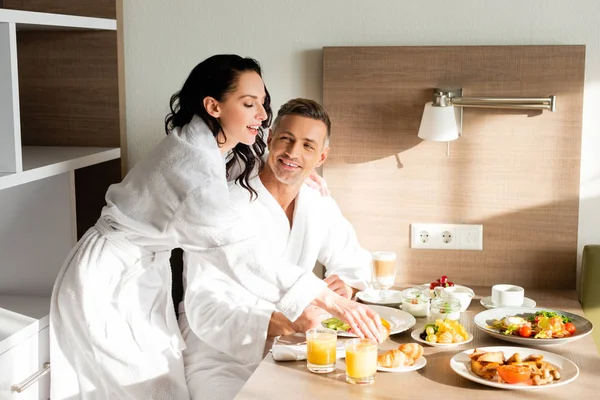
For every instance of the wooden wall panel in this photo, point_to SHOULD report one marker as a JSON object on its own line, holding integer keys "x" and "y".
{"x": 91, "y": 184}
{"x": 515, "y": 172}
{"x": 69, "y": 88}
{"x": 86, "y": 8}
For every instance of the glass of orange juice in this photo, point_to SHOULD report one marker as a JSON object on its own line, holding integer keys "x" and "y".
{"x": 361, "y": 361}
{"x": 320, "y": 350}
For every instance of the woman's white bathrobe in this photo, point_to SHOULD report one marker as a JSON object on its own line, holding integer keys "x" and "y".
{"x": 224, "y": 325}
{"x": 114, "y": 333}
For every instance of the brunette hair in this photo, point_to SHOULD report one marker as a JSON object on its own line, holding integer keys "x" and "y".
{"x": 217, "y": 77}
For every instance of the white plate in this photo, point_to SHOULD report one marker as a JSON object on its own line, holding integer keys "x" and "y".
{"x": 399, "y": 320}
{"x": 419, "y": 363}
{"x": 415, "y": 335}
{"x": 461, "y": 364}
{"x": 487, "y": 303}
{"x": 371, "y": 296}
{"x": 484, "y": 319}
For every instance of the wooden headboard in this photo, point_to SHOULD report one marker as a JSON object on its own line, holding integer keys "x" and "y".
{"x": 515, "y": 172}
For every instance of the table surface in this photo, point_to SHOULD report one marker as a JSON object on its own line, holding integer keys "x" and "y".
{"x": 291, "y": 380}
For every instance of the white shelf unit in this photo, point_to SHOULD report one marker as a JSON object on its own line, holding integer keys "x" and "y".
{"x": 44, "y": 21}
{"x": 60, "y": 148}
{"x": 41, "y": 162}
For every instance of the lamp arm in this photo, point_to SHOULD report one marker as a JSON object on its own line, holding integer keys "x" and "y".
{"x": 531, "y": 103}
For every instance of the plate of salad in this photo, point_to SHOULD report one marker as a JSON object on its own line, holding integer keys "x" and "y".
{"x": 533, "y": 326}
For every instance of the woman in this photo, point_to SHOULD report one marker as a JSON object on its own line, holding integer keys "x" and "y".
{"x": 113, "y": 329}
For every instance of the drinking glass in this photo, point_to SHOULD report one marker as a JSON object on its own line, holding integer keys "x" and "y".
{"x": 321, "y": 345}
{"x": 361, "y": 361}
{"x": 383, "y": 271}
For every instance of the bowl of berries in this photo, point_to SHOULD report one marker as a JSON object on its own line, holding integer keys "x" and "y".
{"x": 443, "y": 287}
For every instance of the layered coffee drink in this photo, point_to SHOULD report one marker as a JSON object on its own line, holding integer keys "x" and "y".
{"x": 384, "y": 269}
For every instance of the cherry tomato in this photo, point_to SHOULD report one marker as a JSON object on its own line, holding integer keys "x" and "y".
{"x": 443, "y": 279}
{"x": 524, "y": 331}
{"x": 514, "y": 373}
{"x": 569, "y": 327}
{"x": 449, "y": 284}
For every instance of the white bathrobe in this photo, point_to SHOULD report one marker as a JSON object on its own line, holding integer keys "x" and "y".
{"x": 113, "y": 329}
{"x": 224, "y": 325}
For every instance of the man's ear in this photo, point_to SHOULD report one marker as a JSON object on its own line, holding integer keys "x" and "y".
{"x": 270, "y": 137}
{"x": 211, "y": 105}
{"x": 324, "y": 155}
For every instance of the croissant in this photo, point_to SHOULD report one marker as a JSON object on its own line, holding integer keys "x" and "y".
{"x": 394, "y": 359}
{"x": 412, "y": 350}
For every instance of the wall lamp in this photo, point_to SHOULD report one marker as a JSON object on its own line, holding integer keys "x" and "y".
{"x": 442, "y": 118}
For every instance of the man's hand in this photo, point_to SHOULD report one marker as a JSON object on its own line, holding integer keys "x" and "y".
{"x": 336, "y": 284}
{"x": 310, "y": 318}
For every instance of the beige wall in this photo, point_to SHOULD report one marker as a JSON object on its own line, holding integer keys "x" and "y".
{"x": 165, "y": 39}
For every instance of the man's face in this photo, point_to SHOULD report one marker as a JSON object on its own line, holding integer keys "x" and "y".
{"x": 296, "y": 148}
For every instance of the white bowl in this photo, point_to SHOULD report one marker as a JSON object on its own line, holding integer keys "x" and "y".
{"x": 462, "y": 293}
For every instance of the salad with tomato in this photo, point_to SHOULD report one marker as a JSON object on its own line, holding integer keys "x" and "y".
{"x": 541, "y": 325}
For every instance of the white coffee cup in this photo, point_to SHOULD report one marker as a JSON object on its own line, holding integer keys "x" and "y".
{"x": 506, "y": 295}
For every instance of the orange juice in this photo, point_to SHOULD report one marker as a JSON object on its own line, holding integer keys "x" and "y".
{"x": 321, "y": 350}
{"x": 361, "y": 361}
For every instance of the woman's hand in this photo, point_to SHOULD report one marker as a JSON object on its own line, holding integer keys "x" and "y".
{"x": 363, "y": 321}
{"x": 316, "y": 181}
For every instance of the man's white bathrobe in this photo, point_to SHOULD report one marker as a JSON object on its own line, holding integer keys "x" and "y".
{"x": 226, "y": 337}
{"x": 113, "y": 329}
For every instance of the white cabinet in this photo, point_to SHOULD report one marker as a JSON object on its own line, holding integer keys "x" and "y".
{"x": 61, "y": 135}
{"x": 24, "y": 350}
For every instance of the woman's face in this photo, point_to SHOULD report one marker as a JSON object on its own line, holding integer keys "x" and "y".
{"x": 241, "y": 113}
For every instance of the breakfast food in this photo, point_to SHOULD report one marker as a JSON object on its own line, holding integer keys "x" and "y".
{"x": 445, "y": 332}
{"x": 532, "y": 370}
{"x": 394, "y": 359}
{"x": 404, "y": 356}
{"x": 441, "y": 282}
{"x": 412, "y": 350}
{"x": 339, "y": 325}
{"x": 336, "y": 324}
{"x": 541, "y": 325}
{"x": 386, "y": 329}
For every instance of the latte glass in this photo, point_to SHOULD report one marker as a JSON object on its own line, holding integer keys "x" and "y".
{"x": 383, "y": 271}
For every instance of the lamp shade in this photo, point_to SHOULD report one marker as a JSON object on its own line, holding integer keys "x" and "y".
{"x": 438, "y": 124}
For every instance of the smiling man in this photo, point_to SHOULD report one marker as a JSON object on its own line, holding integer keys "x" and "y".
{"x": 298, "y": 224}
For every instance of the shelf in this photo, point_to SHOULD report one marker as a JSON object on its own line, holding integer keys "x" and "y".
{"x": 27, "y": 20}
{"x": 40, "y": 162}
{"x": 20, "y": 317}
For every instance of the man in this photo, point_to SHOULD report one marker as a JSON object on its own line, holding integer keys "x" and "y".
{"x": 298, "y": 224}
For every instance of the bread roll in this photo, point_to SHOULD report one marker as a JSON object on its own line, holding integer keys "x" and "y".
{"x": 412, "y": 350}
{"x": 394, "y": 359}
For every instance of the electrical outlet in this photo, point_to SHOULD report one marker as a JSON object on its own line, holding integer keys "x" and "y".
{"x": 446, "y": 236}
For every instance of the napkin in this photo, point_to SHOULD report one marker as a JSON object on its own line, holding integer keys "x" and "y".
{"x": 282, "y": 350}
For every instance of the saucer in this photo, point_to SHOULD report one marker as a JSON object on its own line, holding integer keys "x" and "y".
{"x": 371, "y": 296}
{"x": 487, "y": 303}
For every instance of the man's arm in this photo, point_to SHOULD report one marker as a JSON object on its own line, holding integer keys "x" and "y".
{"x": 342, "y": 255}
{"x": 310, "y": 318}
